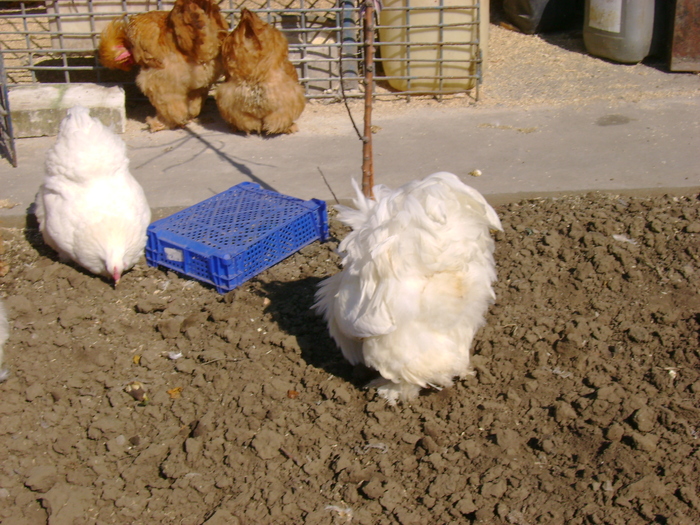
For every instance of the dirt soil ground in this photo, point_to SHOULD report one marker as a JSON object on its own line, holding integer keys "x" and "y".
{"x": 584, "y": 408}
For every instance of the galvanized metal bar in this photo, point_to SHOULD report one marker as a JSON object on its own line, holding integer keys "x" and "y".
{"x": 367, "y": 153}
{"x": 303, "y": 48}
{"x": 27, "y": 41}
{"x": 61, "y": 42}
{"x": 7, "y": 138}
{"x": 479, "y": 53}
{"x": 441, "y": 38}
{"x": 408, "y": 49}
{"x": 348, "y": 50}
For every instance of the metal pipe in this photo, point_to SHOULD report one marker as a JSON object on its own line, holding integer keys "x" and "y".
{"x": 367, "y": 158}
{"x": 348, "y": 44}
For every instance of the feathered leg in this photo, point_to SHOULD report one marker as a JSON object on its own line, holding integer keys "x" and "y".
{"x": 394, "y": 392}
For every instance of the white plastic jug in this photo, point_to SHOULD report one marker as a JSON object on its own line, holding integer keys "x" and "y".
{"x": 620, "y": 30}
{"x": 435, "y": 42}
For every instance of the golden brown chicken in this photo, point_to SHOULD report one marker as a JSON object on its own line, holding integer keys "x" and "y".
{"x": 178, "y": 53}
{"x": 261, "y": 92}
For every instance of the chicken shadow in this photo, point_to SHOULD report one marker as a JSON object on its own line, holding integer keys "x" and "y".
{"x": 291, "y": 308}
{"x": 241, "y": 167}
{"x": 210, "y": 119}
{"x": 35, "y": 239}
{"x": 81, "y": 70}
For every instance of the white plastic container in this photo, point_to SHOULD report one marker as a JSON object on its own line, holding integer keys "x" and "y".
{"x": 413, "y": 43}
{"x": 80, "y": 18}
{"x": 619, "y": 30}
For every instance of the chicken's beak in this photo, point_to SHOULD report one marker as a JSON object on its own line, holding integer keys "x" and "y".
{"x": 124, "y": 56}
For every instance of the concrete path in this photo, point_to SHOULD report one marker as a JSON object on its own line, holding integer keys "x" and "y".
{"x": 653, "y": 145}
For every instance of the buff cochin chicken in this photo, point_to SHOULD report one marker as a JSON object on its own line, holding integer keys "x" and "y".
{"x": 261, "y": 91}
{"x": 416, "y": 283}
{"x": 177, "y": 53}
{"x": 90, "y": 208}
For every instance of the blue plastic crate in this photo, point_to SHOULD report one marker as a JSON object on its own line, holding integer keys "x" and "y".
{"x": 236, "y": 234}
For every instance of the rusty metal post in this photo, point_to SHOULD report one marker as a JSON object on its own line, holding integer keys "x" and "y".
{"x": 367, "y": 156}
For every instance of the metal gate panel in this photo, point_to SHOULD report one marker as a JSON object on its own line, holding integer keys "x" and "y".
{"x": 55, "y": 42}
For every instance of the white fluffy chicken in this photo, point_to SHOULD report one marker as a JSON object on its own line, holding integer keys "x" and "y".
{"x": 4, "y": 334}
{"x": 417, "y": 278}
{"x": 90, "y": 208}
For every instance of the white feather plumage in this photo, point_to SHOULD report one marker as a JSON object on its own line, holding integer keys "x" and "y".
{"x": 416, "y": 282}
{"x": 90, "y": 208}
